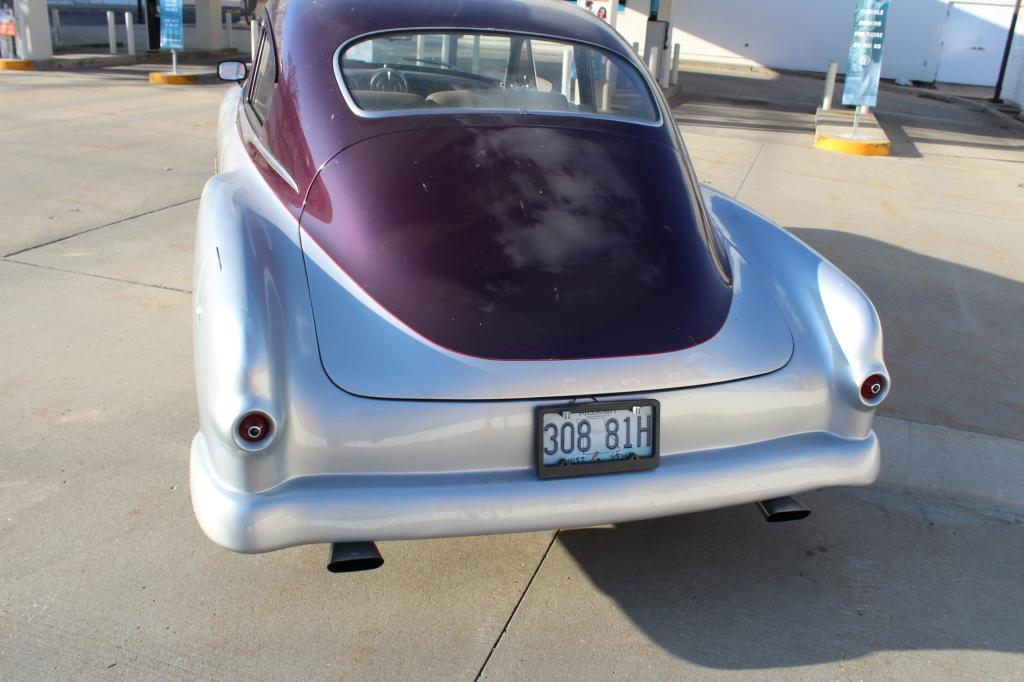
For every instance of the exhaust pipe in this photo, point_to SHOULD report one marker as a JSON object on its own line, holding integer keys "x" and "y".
{"x": 783, "y": 509}
{"x": 347, "y": 557}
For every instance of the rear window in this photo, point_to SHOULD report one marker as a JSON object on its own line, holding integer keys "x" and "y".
{"x": 420, "y": 72}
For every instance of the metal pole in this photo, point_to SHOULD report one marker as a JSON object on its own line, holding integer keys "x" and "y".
{"x": 606, "y": 88}
{"x": 856, "y": 121}
{"x": 174, "y": 62}
{"x": 254, "y": 37}
{"x": 567, "y": 73}
{"x": 476, "y": 53}
{"x": 830, "y": 84}
{"x": 997, "y": 98}
{"x": 663, "y": 68}
{"x": 129, "y": 27}
{"x": 446, "y": 49}
{"x": 675, "y": 64}
{"x": 636, "y": 48}
{"x": 55, "y": 26}
{"x": 231, "y": 24}
{"x": 111, "y": 32}
{"x": 652, "y": 61}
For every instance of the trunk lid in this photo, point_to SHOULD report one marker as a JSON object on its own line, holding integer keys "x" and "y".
{"x": 474, "y": 263}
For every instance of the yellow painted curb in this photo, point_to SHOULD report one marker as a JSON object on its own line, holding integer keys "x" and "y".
{"x": 845, "y": 145}
{"x": 16, "y": 65}
{"x": 161, "y": 78}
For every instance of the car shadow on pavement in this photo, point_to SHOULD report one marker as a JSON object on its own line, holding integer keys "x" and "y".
{"x": 946, "y": 325}
{"x": 869, "y": 571}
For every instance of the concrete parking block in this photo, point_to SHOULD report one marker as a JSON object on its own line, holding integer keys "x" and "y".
{"x": 834, "y": 131}
{"x": 16, "y": 65}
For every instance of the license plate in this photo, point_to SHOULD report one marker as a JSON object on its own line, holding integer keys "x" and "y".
{"x": 593, "y": 438}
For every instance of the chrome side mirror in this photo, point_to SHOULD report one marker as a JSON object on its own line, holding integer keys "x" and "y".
{"x": 231, "y": 71}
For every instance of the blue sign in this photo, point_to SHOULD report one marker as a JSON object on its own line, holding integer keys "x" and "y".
{"x": 865, "y": 65}
{"x": 172, "y": 27}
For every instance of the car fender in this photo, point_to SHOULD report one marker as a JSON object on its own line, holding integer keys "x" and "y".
{"x": 246, "y": 253}
{"x": 835, "y": 325}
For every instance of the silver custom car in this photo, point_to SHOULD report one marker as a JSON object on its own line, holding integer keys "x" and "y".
{"x": 455, "y": 275}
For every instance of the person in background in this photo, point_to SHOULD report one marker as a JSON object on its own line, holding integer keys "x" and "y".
{"x": 589, "y": 6}
{"x": 602, "y": 14}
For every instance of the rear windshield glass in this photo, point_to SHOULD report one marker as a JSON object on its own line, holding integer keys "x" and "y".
{"x": 399, "y": 72}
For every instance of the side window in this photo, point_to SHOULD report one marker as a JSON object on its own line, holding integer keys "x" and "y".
{"x": 264, "y": 76}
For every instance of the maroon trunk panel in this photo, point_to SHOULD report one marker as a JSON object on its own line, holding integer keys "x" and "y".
{"x": 523, "y": 243}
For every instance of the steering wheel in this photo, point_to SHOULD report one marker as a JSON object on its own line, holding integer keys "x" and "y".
{"x": 389, "y": 80}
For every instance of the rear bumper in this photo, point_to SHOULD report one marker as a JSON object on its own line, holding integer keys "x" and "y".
{"x": 323, "y": 509}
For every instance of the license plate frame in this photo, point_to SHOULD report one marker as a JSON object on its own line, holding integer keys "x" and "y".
{"x": 603, "y": 466}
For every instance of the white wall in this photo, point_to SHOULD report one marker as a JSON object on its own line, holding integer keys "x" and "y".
{"x": 805, "y": 34}
{"x": 632, "y": 23}
{"x": 1013, "y": 83}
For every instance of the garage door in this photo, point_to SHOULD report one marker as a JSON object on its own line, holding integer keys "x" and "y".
{"x": 972, "y": 47}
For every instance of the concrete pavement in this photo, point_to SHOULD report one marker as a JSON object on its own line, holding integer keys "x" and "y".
{"x": 106, "y": 575}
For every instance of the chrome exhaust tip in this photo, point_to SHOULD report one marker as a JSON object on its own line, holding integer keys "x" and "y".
{"x": 782, "y": 509}
{"x": 347, "y": 557}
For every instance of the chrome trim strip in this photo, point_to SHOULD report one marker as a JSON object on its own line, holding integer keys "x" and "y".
{"x": 643, "y": 73}
{"x": 250, "y": 136}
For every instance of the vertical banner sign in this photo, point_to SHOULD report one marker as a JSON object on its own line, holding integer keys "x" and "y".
{"x": 172, "y": 30}
{"x": 865, "y": 66}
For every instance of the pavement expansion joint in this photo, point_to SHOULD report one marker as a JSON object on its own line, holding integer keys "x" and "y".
{"x": 519, "y": 603}
{"x": 87, "y": 230}
{"x": 97, "y": 276}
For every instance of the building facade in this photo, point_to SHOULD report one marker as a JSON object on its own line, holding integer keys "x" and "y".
{"x": 926, "y": 40}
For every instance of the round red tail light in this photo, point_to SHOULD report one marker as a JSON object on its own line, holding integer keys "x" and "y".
{"x": 873, "y": 387}
{"x": 254, "y": 427}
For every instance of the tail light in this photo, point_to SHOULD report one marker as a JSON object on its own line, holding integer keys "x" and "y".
{"x": 254, "y": 427}
{"x": 873, "y": 388}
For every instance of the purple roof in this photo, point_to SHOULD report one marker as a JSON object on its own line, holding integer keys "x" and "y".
{"x": 510, "y": 236}
{"x": 310, "y": 122}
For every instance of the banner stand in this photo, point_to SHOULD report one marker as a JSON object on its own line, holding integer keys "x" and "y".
{"x": 864, "y": 68}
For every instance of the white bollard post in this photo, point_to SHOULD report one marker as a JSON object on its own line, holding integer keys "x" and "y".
{"x": 830, "y": 84}
{"x": 174, "y": 62}
{"x": 129, "y": 27}
{"x": 55, "y": 26}
{"x": 663, "y": 68}
{"x": 652, "y": 62}
{"x": 567, "y": 73}
{"x": 446, "y": 49}
{"x": 675, "y": 64}
{"x": 607, "y": 88}
{"x": 254, "y": 37}
{"x": 111, "y": 32}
